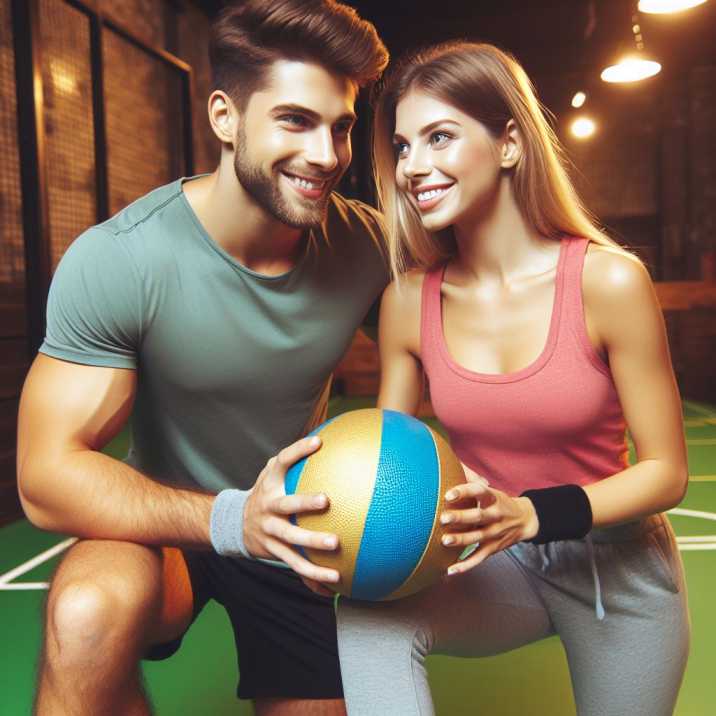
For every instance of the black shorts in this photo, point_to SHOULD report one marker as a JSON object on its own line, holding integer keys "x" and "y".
{"x": 285, "y": 634}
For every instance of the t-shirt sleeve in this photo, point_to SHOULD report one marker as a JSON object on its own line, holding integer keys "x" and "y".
{"x": 94, "y": 304}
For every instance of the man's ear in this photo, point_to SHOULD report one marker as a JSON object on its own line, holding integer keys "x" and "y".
{"x": 511, "y": 145}
{"x": 223, "y": 116}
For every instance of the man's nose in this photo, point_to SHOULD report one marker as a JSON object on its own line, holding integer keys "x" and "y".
{"x": 321, "y": 151}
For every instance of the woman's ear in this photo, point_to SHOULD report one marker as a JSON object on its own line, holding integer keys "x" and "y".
{"x": 223, "y": 116}
{"x": 511, "y": 145}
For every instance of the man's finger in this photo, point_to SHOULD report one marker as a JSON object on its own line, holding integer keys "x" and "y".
{"x": 296, "y": 451}
{"x": 293, "y": 504}
{"x": 294, "y": 535}
{"x": 300, "y": 565}
{"x": 317, "y": 587}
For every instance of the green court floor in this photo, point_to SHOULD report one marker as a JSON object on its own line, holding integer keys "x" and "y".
{"x": 201, "y": 677}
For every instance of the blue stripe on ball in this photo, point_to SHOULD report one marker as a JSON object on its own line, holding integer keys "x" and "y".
{"x": 404, "y": 500}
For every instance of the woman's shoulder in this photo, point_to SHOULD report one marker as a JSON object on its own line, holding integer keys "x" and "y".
{"x": 615, "y": 283}
{"x": 405, "y": 291}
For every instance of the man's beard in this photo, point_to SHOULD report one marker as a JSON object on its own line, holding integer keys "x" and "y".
{"x": 265, "y": 191}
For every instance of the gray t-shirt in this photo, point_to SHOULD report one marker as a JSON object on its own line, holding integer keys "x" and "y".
{"x": 229, "y": 363}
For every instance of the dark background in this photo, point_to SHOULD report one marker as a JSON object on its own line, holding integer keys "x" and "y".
{"x": 103, "y": 100}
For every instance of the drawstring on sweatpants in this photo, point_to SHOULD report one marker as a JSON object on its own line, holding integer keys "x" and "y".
{"x": 542, "y": 549}
{"x": 598, "y": 606}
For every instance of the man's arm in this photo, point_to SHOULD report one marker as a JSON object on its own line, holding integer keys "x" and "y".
{"x": 68, "y": 412}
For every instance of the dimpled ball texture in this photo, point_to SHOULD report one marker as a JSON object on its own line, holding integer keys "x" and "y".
{"x": 386, "y": 475}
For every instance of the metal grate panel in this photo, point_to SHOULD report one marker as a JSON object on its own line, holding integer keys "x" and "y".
{"x": 12, "y": 249}
{"x": 144, "y": 120}
{"x": 68, "y": 121}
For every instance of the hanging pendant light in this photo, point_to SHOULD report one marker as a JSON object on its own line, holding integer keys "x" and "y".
{"x": 635, "y": 66}
{"x": 664, "y": 7}
{"x": 631, "y": 69}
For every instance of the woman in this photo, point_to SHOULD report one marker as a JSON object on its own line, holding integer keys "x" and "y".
{"x": 541, "y": 340}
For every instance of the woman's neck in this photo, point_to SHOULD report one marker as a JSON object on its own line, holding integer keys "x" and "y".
{"x": 498, "y": 245}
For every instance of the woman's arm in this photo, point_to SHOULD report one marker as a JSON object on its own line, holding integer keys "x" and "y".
{"x": 401, "y": 374}
{"x": 623, "y": 314}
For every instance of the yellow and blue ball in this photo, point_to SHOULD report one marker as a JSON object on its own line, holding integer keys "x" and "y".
{"x": 386, "y": 475}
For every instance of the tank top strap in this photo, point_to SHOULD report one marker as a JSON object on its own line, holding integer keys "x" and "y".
{"x": 431, "y": 312}
{"x": 573, "y": 303}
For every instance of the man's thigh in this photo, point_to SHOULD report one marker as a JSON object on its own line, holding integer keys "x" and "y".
{"x": 285, "y": 634}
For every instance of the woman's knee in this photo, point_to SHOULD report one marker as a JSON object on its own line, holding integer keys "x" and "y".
{"x": 383, "y": 627}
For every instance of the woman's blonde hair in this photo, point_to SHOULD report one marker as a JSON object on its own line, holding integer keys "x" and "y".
{"x": 490, "y": 86}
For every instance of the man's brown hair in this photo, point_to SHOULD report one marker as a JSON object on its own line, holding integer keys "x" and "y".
{"x": 249, "y": 36}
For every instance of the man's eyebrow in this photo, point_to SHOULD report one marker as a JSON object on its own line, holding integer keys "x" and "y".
{"x": 427, "y": 128}
{"x": 299, "y": 109}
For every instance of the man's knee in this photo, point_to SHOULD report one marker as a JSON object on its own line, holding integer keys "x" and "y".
{"x": 102, "y": 619}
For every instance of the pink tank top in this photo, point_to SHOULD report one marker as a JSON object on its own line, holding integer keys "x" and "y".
{"x": 557, "y": 421}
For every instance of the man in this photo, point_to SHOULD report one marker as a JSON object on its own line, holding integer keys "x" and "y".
{"x": 212, "y": 310}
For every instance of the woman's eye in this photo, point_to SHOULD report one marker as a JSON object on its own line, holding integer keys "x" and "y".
{"x": 439, "y": 138}
{"x": 401, "y": 150}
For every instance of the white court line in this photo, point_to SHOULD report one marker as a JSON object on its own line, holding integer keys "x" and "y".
{"x": 694, "y": 539}
{"x": 697, "y": 547}
{"x": 698, "y": 409}
{"x": 62, "y": 546}
{"x": 35, "y": 561}
{"x": 701, "y": 441}
{"x": 24, "y": 586}
{"x": 692, "y": 513}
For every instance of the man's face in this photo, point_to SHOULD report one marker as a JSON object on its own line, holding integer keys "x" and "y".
{"x": 293, "y": 141}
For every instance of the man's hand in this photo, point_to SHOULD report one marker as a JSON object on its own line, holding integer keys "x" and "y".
{"x": 491, "y": 518}
{"x": 268, "y": 532}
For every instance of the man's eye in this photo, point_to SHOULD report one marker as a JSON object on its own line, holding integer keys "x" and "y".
{"x": 343, "y": 128}
{"x": 295, "y": 120}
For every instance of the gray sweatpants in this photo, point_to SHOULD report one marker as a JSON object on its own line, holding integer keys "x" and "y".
{"x": 625, "y": 658}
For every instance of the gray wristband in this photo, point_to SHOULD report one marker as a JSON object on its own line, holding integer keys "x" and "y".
{"x": 226, "y": 526}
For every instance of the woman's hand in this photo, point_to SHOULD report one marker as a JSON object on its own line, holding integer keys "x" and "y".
{"x": 489, "y": 517}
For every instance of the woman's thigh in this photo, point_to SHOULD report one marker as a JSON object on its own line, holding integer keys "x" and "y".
{"x": 383, "y": 645}
{"x": 633, "y": 660}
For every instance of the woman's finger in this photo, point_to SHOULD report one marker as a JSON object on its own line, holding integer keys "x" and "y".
{"x": 472, "y": 476}
{"x": 462, "y": 539}
{"x": 470, "y": 490}
{"x": 476, "y": 558}
{"x": 471, "y": 516}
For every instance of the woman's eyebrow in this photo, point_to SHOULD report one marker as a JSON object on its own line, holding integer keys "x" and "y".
{"x": 428, "y": 128}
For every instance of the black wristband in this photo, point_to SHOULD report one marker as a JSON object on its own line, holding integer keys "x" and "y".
{"x": 563, "y": 512}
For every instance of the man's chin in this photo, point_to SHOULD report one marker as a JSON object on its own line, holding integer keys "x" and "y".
{"x": 299, "y": 216}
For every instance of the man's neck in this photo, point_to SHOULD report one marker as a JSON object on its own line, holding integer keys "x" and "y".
{"x": 240, "y": 226}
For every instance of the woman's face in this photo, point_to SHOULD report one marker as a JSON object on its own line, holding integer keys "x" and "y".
{"x": 448, "y": 163}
